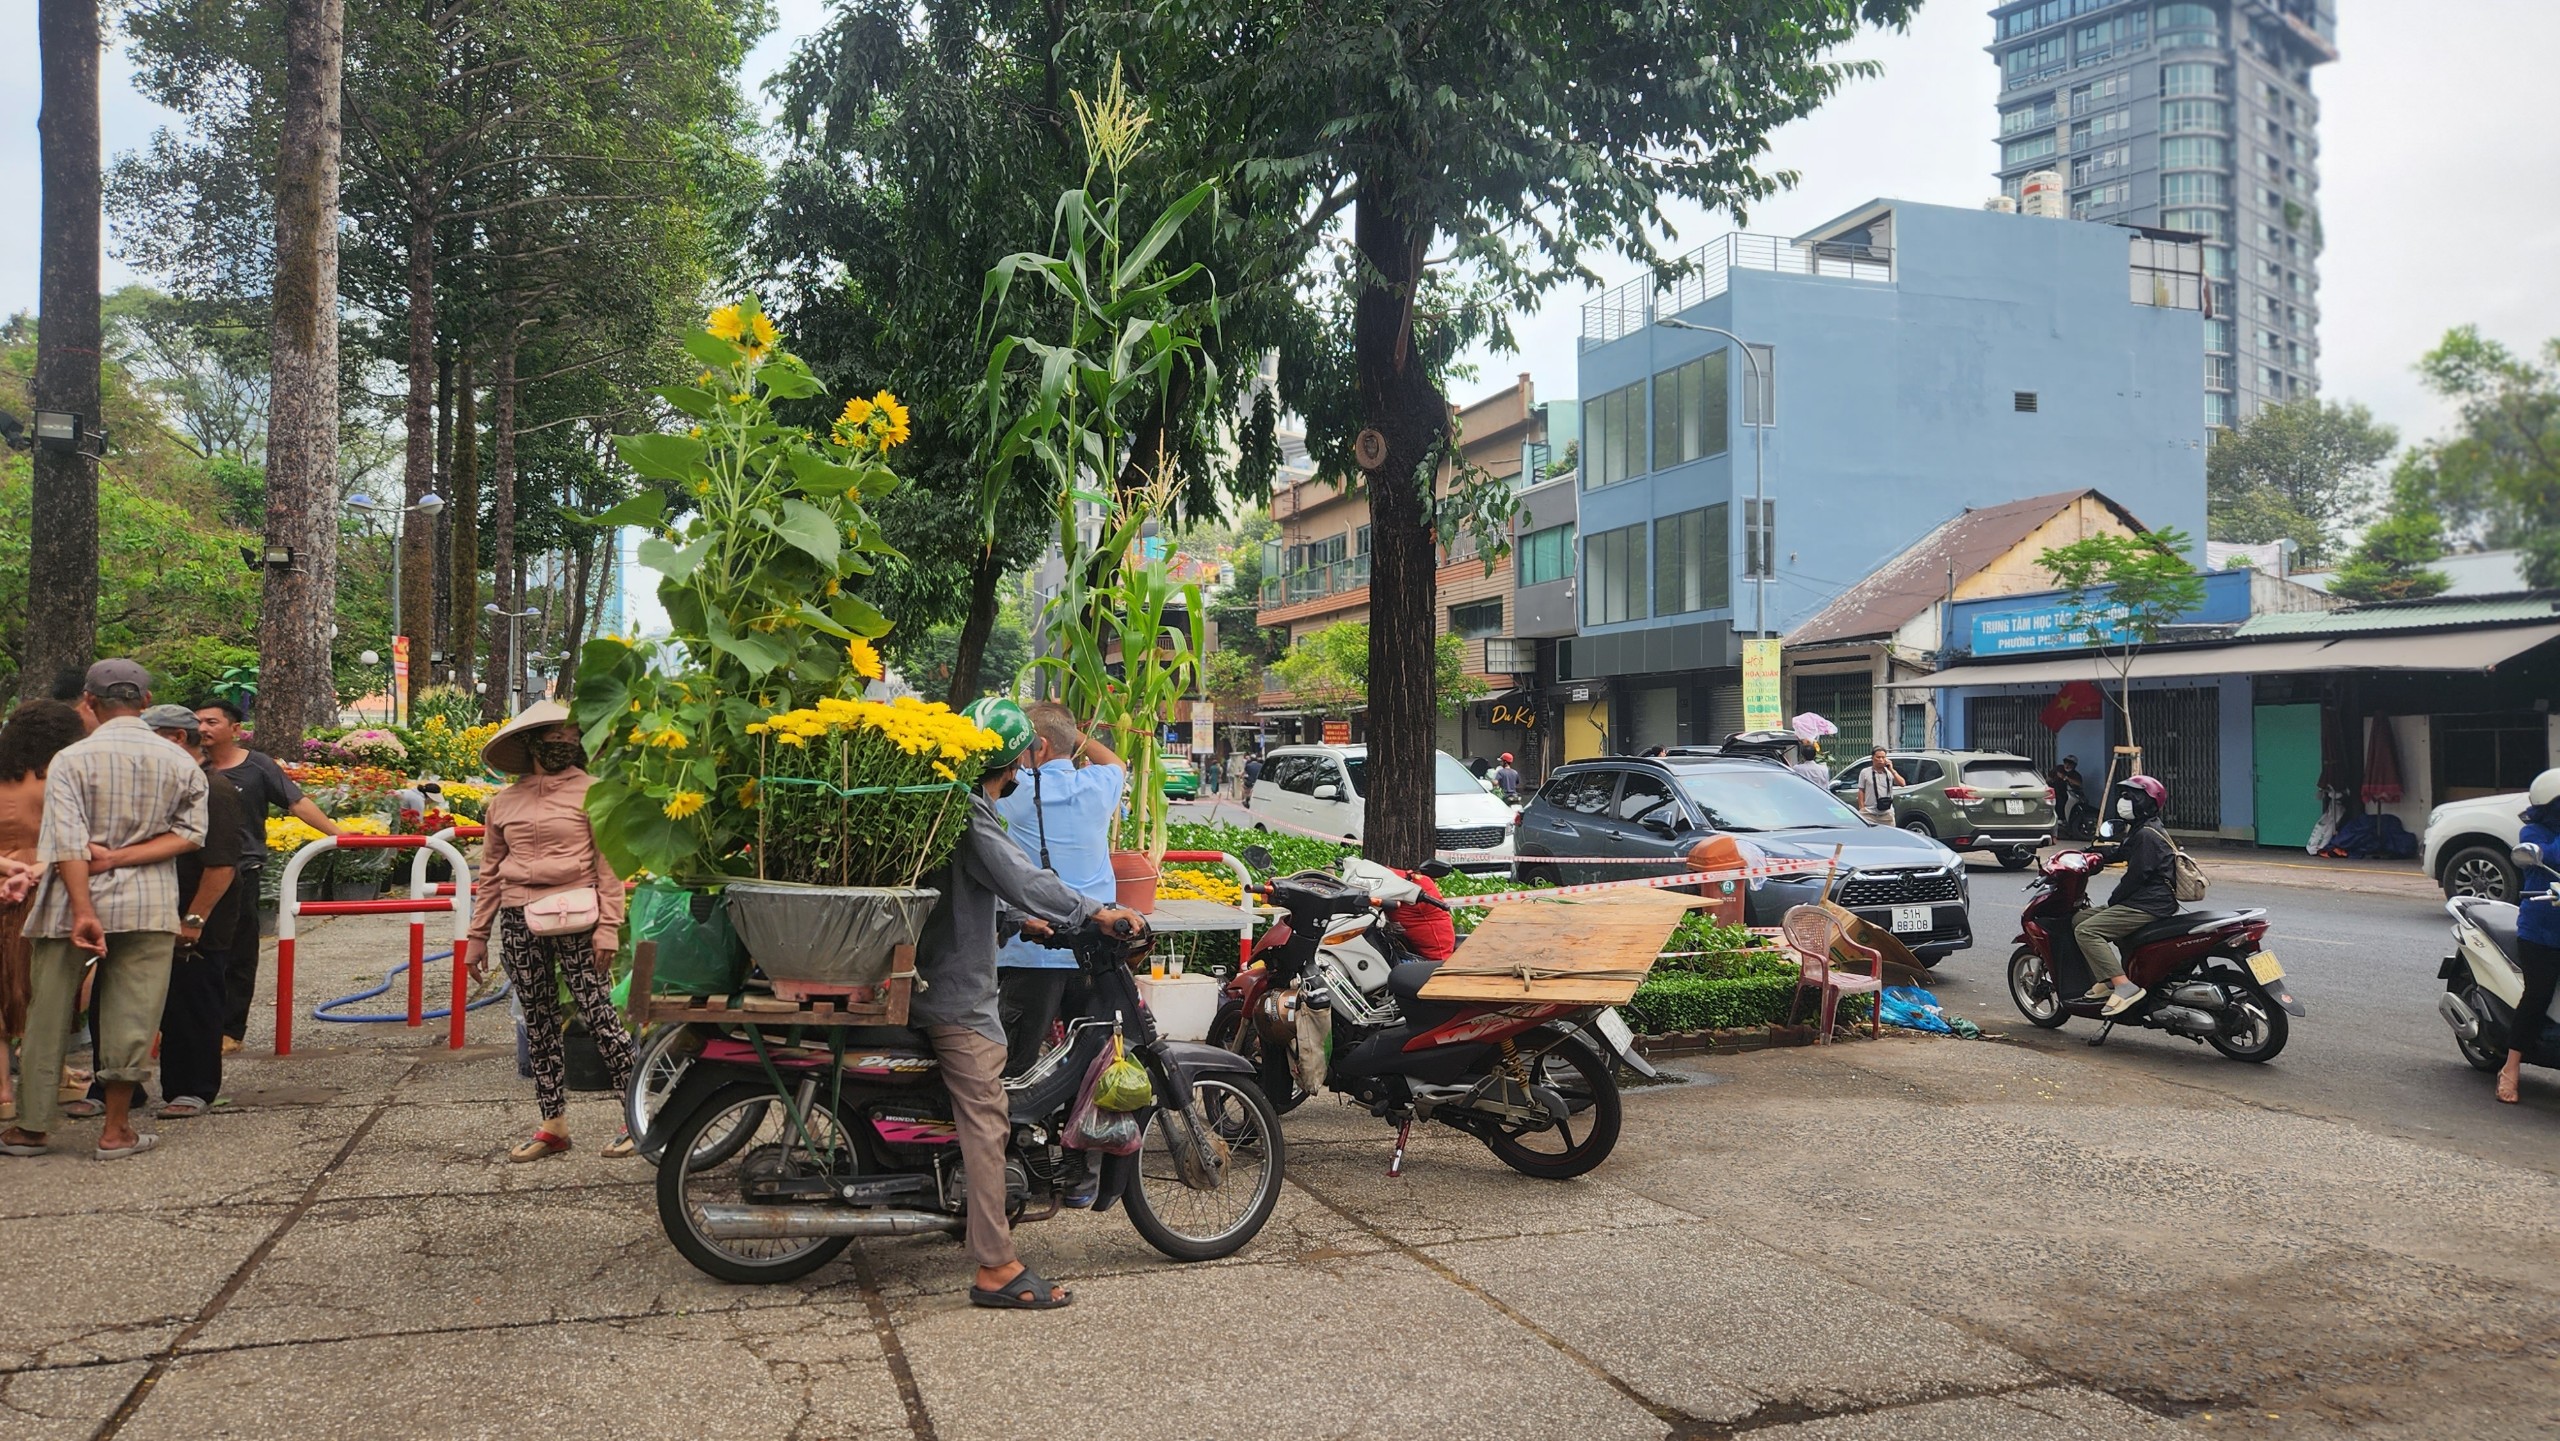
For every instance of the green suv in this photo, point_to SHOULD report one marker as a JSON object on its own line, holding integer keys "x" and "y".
{"x": 1971, "y": 800}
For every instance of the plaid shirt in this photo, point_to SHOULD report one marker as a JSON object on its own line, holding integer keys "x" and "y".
{"x": 121, "y": 786}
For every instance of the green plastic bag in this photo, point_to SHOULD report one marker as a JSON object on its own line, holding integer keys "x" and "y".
{"x": 699, "y": 953}
{"x": 1124, "y": 1085}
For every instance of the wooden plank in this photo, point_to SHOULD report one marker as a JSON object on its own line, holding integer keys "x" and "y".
{"x": 644, "y": 969}
{"x": 887, "y": 1006}
{"x": 1586, "y": 951}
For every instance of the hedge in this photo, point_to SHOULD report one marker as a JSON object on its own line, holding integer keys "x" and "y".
{"x": 1682, "y": 1001}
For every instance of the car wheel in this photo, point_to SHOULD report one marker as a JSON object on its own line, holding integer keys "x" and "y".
{"x": 2479, "y": 871}
{"x": 2017, "y": 858}
{"x": 1919, "y": 826}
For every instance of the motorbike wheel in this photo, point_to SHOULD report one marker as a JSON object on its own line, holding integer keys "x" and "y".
{"x": 2017, "y": 858}
{"x": 1279, "y": 1082}
{"x": 2032, "y": 989}
{"x": 2481, "y": 1056}
{"x": 658, "y": 1063}
{"x": 1574, "y": 1071}
{"x": 770, "y": 1142}
{"x": 1192, "y": 1225}
{"x": 2268, "y": 1028}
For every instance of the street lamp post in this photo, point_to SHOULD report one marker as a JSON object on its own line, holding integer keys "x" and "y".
{"x": 1766, "y": 562}
{"x": 515, "y": 647}
{"x": 371, "y": 510}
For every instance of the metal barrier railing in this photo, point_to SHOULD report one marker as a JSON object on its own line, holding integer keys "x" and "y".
{"x": 424, "y": 899}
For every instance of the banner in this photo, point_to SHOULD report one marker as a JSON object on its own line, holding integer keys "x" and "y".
{"x": 400, "y": 680}
{"x": 1761, "y": 710}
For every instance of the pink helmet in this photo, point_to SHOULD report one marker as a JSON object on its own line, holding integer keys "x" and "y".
{"x": 2150, "y": 786}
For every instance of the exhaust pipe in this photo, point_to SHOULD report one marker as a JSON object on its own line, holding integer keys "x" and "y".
{"x": 2458, "y": 1016}
{"x": 777, "y": 1223}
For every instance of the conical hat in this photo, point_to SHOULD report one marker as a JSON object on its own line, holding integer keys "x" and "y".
{"x": 506, "y": 750}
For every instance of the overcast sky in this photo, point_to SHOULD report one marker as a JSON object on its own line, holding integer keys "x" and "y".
{"x": 2436, "y": 166}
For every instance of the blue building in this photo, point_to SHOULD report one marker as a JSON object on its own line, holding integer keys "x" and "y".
{"x": 1912, "y": 361}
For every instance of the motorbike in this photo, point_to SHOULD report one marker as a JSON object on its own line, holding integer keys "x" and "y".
{"x": 2209, "y": 976}
{"x": 797, "y": 1141}
{"x": 2483, "y": 985}
{"x": 1534, "y": 1082}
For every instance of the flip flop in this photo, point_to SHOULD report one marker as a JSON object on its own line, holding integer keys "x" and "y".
{"x": 543, "y": 1144}
{"x": 2127, "y": 996}
{"x": 182, "y": 1108}
{"x": 23, "y": 1148}
{"x": 141, "y": 1143}
{"x": 2509, "y": 1091}
{"x": 622, "y": 1146}
{"x": 83, "y": 1109}
{"x": 1027, "y": 1291}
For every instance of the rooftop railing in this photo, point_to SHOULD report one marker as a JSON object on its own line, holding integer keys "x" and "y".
{"x": 1315, "y": 582}
{"x": 1706, "y": 272}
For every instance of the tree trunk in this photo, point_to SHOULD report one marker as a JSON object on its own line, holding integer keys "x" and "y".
{"x": 986, "y": 574}
{"x": 62, "y": 560}
{"x": 574, "y": 635}
{"x": 462, "y": 588}
{"x": 438, "y": 628}
{"x": 417, "y": 559}
{"x": 502, "y": 667}
{"x": 1399, "y": 400}
{"x": 295, "y": 688}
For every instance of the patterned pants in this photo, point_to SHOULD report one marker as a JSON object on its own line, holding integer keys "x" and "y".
{"x": 536, "y": 966}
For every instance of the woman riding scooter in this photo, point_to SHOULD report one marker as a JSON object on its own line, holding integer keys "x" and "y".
{"x": 2537, "y": 924}
{"x": 2148, "y": 892}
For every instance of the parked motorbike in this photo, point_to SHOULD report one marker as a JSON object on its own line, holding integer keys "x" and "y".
{"x": 2209, "y": 977}
{"x": 798, "y": 1141}
{"x": 2483, "y": 985}
{"x": 1533, "y": 1082}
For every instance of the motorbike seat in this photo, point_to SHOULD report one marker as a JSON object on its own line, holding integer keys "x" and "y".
{"x": 2497, "y": 921}
{"x": 1405, "y": 982}
{"x": 2185, "y": 923}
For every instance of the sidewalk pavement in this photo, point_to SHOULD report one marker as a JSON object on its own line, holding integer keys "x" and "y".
{"x": 1896, "y": 1239}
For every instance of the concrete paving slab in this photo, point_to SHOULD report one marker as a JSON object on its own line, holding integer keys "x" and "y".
{"x": 1453, "y": 1189}
{"x": 1648, "y": 1305}
{"x": 1370, "y": 1346}
{"x": 118, "y": 1287}
{"x": 221, "y": 1159}
{"x": 64, "y": 1402}
{"x": 2047, "y": 1413}
{"x": 799, "y": 1372}
{"x": 438, "y": 1148}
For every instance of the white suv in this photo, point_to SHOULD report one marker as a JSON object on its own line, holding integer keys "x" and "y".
{"x": 1322, "y": 790}
{"x": 2467, "y": 845}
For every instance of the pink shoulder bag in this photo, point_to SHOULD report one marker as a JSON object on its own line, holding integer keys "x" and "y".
{"x": 563, "y": 913}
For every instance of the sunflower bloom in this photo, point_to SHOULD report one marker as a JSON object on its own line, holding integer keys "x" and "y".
{"x": 763, "y": 330}
{"x": 864, "y": 660}
{"x": 727, "y": 324}
{"x": 682, "y": 804}
{"x": 893, "y": 428}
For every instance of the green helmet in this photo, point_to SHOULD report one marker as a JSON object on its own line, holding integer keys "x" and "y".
{"x": 1012, "y": 728}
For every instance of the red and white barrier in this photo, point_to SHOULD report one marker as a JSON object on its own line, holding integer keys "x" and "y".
{"x": 423, "y": 900}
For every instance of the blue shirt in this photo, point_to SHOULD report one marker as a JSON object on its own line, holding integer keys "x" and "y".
{"x": 2538, "y": 915}
{"x": 1078, "y": 806}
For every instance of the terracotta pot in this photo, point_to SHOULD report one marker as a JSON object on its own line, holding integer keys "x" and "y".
{"x": 1136, "y": 873}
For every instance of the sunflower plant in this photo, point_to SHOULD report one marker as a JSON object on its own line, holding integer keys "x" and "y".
{"x": 760, "y": 532}
{"x": 863, "y": 793}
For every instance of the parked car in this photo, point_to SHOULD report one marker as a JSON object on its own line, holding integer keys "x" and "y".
{"x": 1971, "y": 800}
{"x": 1902, "y": 881}
{"x": 1181, "y": 778}
{"x": 1324, "y": 789}
{"x": 2467, "y": 844}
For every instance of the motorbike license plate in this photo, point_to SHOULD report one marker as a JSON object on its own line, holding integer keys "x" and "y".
{"x": 1907, "y": 919}
{"x": 1615, "y": 1027}
{"x": 2015, "y": 808}
{"x": 2263, "y": 965}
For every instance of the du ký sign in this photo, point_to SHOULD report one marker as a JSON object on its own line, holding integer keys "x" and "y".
{"x": 1522, "y": 716}
{"x": 2055, "y": 627}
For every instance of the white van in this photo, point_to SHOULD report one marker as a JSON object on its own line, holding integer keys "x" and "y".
{"x": 1320, "y": 790}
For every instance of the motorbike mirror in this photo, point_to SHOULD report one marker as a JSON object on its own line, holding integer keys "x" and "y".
{"x": 1436, "y": 868}
{"x": 2526, "y": 853}
{"x": 1259, "y": 859}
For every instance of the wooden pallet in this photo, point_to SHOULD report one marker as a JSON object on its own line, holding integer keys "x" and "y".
{"x": 1589, "y": 950}
{"x": 886, "y": 1005}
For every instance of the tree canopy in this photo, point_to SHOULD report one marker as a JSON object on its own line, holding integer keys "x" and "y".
{"x": 2306, "y": 471}
{"x": 2496, "y": 479}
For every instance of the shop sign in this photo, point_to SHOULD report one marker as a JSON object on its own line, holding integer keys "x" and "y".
{"x": 1337, "y": 733}
{"x": 1761, "y": 710}
{"x": 1521, "y": 715}
{"x": 2051, "y": 627}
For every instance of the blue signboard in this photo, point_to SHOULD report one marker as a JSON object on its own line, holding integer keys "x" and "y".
{"x": 2048, "y": 627}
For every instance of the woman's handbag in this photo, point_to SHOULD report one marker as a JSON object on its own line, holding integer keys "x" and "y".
{"x": 563, "y": 913}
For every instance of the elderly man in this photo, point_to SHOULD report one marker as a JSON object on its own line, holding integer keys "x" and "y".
{"x": 142, "y": 801}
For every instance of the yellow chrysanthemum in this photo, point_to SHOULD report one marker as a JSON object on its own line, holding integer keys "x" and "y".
{"x": 669, "y": 739}
{"x": 682, "y": 804}
{"x": 727, "y": 324}
{"x": 865, "y": 660}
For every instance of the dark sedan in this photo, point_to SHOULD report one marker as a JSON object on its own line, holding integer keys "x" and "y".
{"x": 1903, "y": 883}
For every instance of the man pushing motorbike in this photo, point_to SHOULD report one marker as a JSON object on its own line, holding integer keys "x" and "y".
{"x": 955, "y": 1004}
{"x": 2148, "y": 892}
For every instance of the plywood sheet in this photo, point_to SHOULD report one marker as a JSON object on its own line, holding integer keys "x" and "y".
{"x": 1591, "y": 950}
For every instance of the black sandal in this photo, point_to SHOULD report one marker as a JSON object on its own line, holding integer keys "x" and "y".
{"x": 1027, "y": 1291}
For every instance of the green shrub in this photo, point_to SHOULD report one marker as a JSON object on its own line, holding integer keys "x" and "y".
{"x": 1288, "y": 853}
{"x": 186, "y": 670}
{"x": 1684, "y": 1001}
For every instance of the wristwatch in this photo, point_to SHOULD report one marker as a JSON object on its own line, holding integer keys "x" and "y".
{"x": 193, "y": 923}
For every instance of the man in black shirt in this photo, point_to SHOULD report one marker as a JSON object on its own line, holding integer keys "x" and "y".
{"x": 263, "y": 786}
{"x": 2148, "y": 892}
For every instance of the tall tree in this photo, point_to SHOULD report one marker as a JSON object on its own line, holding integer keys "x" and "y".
{"x": 2497, "y": 477}
{"x": 2390, "y": 560}
{"x": 2305, "y": 471}
{"x": 1493, "y": 142}
{"x": 294, "y": 677}
{"x": 62, "y": 590}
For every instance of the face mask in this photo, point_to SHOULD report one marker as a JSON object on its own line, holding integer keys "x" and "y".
{"x": 557, "y": 755}
{"x": 2124, "y": 807}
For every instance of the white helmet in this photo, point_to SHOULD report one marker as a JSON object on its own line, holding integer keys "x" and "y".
{"x": 2545, "y": 788}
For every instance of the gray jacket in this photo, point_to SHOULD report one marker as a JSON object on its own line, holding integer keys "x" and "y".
{"x": 956, "y": 958}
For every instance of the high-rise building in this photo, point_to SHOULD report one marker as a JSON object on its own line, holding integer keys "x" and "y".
{"x": 2193, "y": 116}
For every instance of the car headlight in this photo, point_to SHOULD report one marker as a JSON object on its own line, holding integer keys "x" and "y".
{"x": 2434, "y": 816}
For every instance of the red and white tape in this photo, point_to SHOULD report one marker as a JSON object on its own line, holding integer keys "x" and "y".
{"x": 1692, "y": 878}
{"x": 1477, "y": 856}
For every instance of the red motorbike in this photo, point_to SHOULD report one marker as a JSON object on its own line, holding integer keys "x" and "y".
{"x": 2209, "y": 976}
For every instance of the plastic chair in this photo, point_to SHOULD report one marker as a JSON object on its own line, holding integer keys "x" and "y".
{"x": 1816, "y": 936}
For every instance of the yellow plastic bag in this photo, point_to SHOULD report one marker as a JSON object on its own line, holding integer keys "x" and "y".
{"x": 1124, "y": 1085}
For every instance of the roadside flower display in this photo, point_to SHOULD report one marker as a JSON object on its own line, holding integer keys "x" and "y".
{"x": 862, "y": 793}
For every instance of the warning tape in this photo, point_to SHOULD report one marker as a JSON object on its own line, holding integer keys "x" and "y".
{"x": 1692, "y": 878}
{"x": 1480, "y": 857}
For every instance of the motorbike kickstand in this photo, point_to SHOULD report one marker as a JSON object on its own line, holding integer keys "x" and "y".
{"x": 1404, "y": 1133}
{"x": 2104, "y": 1029}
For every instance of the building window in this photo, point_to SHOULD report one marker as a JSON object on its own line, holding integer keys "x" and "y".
{"x": 2217, "y": 261}
{"x": 1760, "y": 538}
{"x": 2194, "y": 152}
{"x": 2217, "y": 335}
{"x": 2217, "y": 372}
{"x": 2178, "y": 115}
{"x": 2102, "y": 40}
{"x": 2027, "y": 117}
{"x": 2034, "y": 147}
{"x": 1613, "y": 576}
{"x": 2099, "y": 126}
{"x": 1360, "y": 541}
{"x": 1476, "y": 620}
{"x": 2098, "y": 92}
{"x": 1689, "y": 570}
{"x": 1547, "y": 554}
{"x": 1616, "y": 425}
{"x": 2039, "y": 58}
{"x": 1689, "y": 411}
{"x": 1760, "y": 402}
{"x": 2193, "y": 79}
{"x": 2217, "y": 410}
{"x": 2104, "y": 197}
{"x": 2194, "y": 25}
{"x": 2194, "y": 187}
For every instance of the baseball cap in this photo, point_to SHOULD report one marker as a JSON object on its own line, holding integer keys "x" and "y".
{"x": 172, "y": 718}
{"x": 119, "y": 679}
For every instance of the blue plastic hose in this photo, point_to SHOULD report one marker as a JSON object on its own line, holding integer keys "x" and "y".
{"x": 321, "y": 1011}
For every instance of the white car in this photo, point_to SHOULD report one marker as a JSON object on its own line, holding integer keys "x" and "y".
{"x": 1321, "y": 790}
{"x": 2467, "y": 845}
